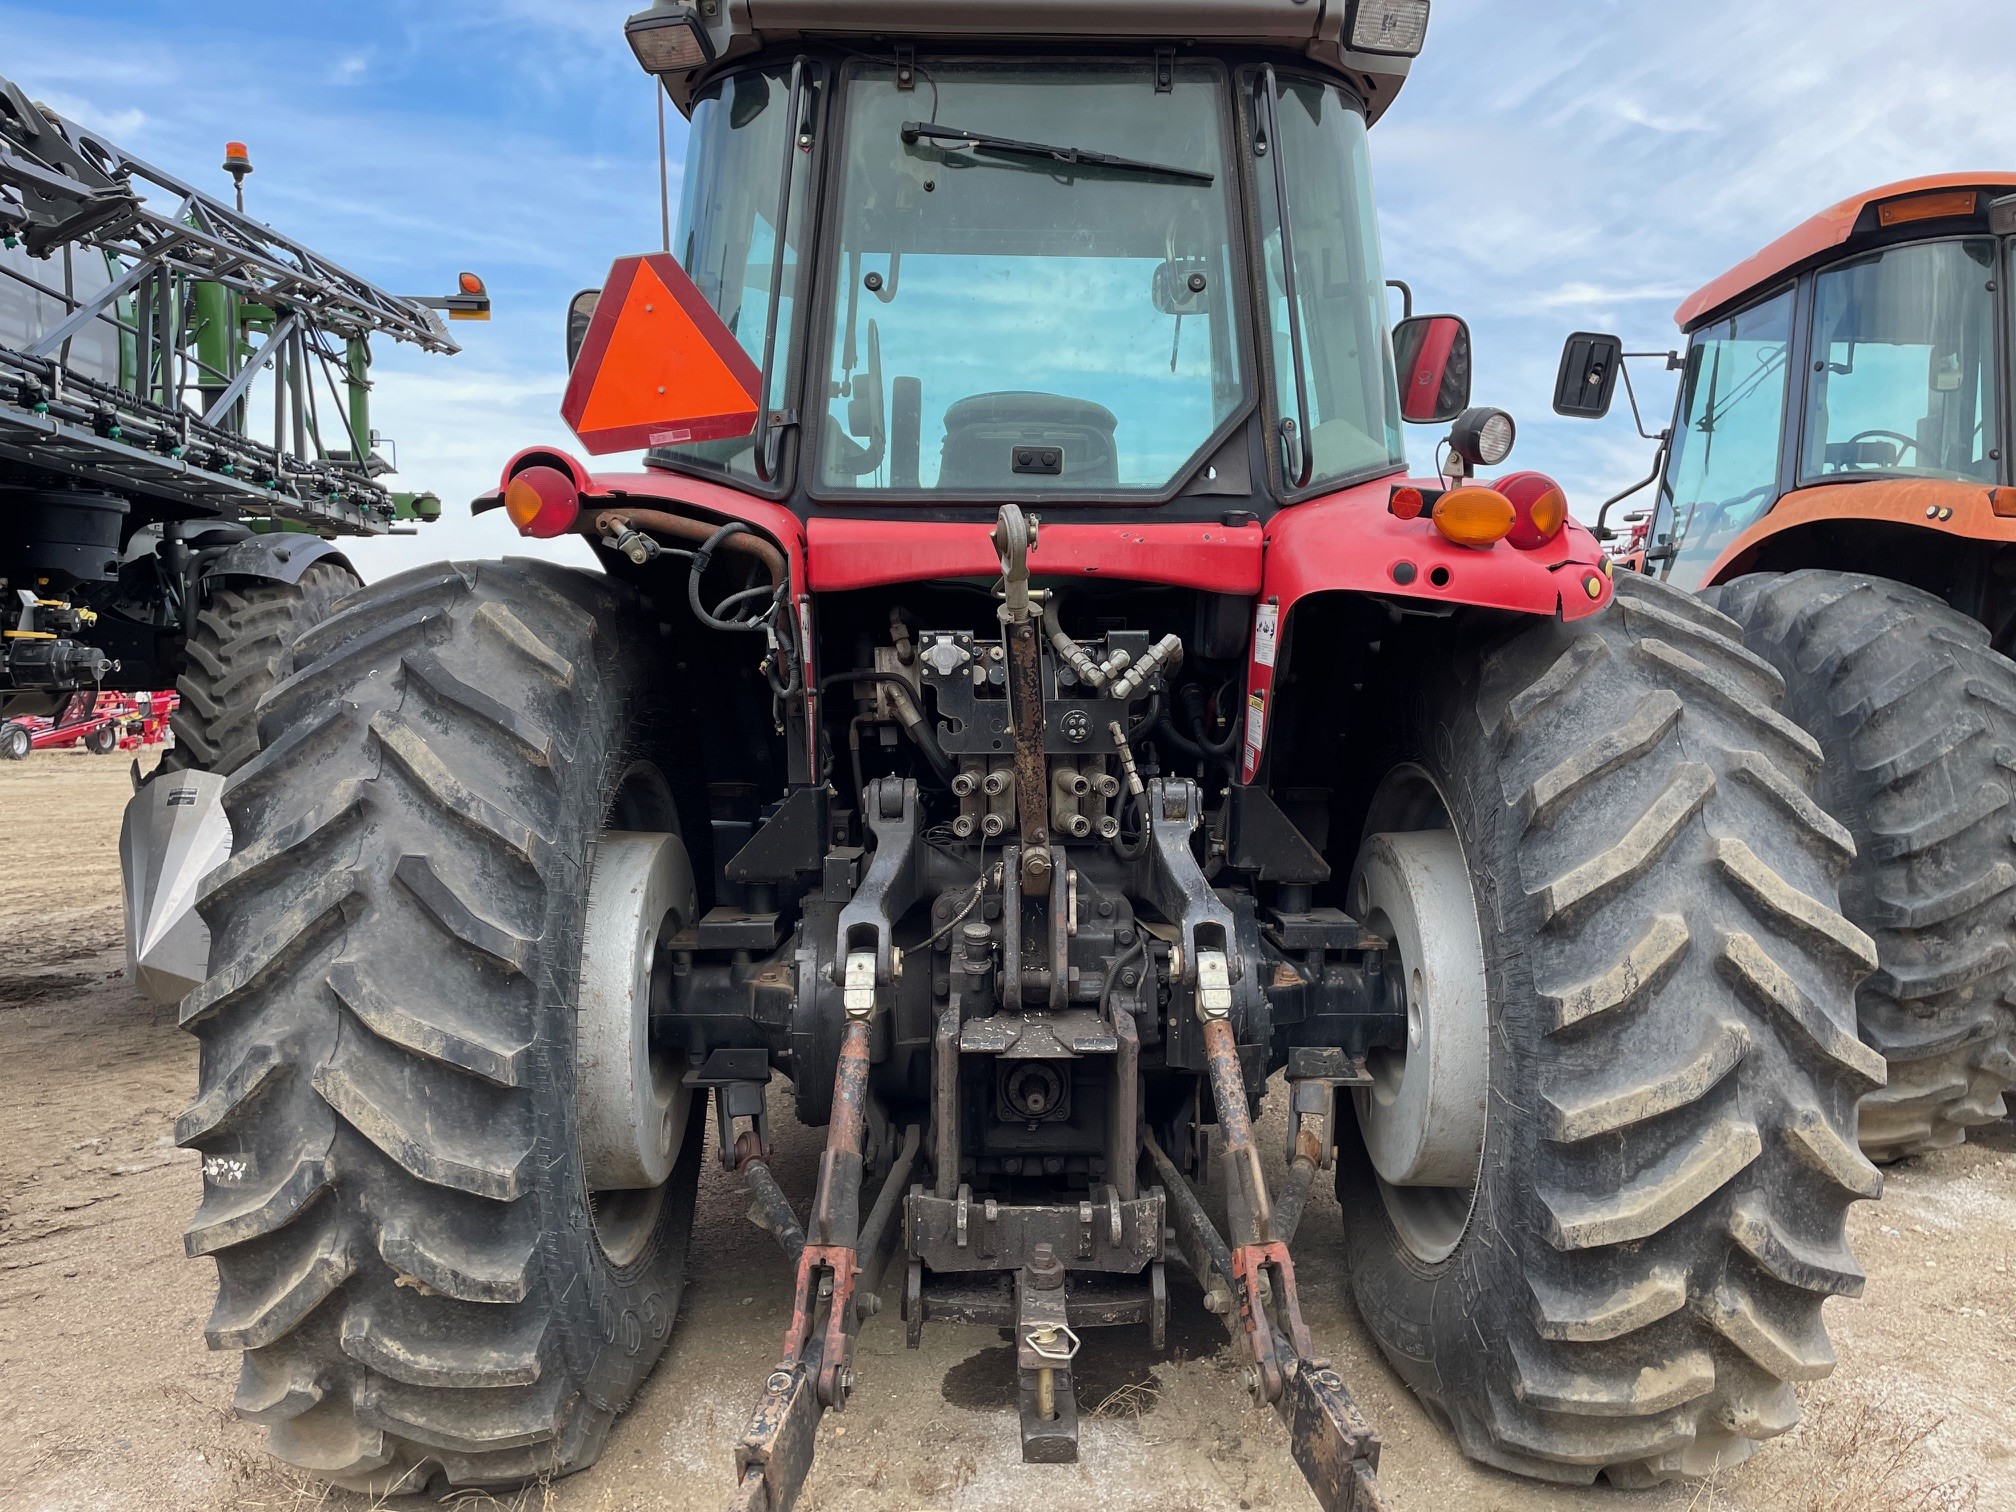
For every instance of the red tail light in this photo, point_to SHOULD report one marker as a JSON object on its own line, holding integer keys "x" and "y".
{"x": 1408, "y": 503}
{"x": 542, "y": 502}
{"x": 1539, "y": 508}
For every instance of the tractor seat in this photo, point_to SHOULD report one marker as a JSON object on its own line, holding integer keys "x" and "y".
{"x": 985, "y": 435}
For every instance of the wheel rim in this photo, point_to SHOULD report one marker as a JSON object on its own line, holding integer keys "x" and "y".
{"x": 1423, "y": 1117}
{"x": 632, "y": 1102}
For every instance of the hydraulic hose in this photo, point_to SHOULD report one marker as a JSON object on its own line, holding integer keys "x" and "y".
{"x": 702, "y": 559}
{"x": 741, "y": 540}
{"x": 915, "y": 725}
{"x": 1193, "y": 709}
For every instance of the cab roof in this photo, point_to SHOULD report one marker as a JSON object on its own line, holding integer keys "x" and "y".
{"x": 1317, "y": 31}
{"x": 1854, "y": 218}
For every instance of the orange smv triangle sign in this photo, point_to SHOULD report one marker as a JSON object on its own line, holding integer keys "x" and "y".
{"x": 658, "y": 368}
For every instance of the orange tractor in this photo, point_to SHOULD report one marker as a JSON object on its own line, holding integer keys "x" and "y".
{"x": 1837, "y": 480}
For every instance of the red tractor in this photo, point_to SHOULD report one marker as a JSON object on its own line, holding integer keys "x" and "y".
{"x": 1027, "y": 706}
{"x": 1837, "y": 479}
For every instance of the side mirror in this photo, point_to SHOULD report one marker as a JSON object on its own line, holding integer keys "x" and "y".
{"x": 1432, "y": 355}
{"x": 1183, "y": 287}
{"x": 580, "y": 313}
{"x": 1588, "y": 376}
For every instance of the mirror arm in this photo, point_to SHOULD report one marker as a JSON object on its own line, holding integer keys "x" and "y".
{"x": 796, "y": 129}
{"x": 1637, "y": 419}
{"x": 1601, "y": 530}
{"x": 887, "y": 293}
{"x": 1406, "y": 297}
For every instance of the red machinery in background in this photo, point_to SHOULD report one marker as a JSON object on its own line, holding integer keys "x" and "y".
{"x": 100, "y": 722}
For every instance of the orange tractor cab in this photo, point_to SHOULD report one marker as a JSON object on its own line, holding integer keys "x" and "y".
{"x": 1838, "y": 479}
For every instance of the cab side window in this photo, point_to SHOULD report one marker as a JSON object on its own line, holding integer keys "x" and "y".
{"x": 1727, "y": 439}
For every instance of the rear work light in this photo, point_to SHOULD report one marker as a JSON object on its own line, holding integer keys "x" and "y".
{"x": 1389, "y": 26}
{"x": 542, "y": 502}
{"x": 1474, "y": 516}
{"x": 1483, "y": 436}
{"x": 668, "y": 39}
{"x": 1539, "y": 507}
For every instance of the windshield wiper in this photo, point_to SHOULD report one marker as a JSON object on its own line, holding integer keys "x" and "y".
{"x": 981, "y": 141}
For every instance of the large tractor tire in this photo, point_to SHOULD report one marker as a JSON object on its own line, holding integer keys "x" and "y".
{"x": 243, "y": 646}
{"x": 456, "y": 853}
{"x": 1596, "y": 1205}
{"x": 1918, "y": 719}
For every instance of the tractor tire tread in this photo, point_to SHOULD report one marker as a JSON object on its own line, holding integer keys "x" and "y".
{"x": 243, "y": 643}
{"x": 1917, "y": 715}
{"x": 1657, "y": 1227}
{"x": 398, "y": 1249}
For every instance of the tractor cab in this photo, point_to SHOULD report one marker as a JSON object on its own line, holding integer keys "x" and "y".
{"x": 1076, "y": 263}
{"x": 1842, "y": 400}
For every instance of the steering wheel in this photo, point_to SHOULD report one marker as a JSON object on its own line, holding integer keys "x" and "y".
{"x": 1887, "y": 435}
{"x": 1714, "y": 518}
{"x": 1741, "y": 499}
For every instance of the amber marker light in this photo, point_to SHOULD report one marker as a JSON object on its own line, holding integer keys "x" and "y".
{"x": 1474, "y": 516}
{"x": 1943, "y": 205}
{"x": 542, "y": 502}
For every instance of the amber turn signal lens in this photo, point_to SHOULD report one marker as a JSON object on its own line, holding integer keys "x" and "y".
{"x": 542, "y": 502}
{"x": 1945, "y": 204}
{"x": 1474, "y": 516}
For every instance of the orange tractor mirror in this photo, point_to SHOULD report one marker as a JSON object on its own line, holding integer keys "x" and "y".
{"x": 656, "y": 366}
{"x": 1587, "y": 380}
{"x": 1432, "y": 355}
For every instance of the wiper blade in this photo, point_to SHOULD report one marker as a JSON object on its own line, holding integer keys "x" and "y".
{"x": 981, "y": 141}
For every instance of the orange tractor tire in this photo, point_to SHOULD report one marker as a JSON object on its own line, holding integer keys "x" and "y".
{"x": 1918, "y": 718}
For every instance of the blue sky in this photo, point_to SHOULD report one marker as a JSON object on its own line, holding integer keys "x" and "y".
{"x": 1551, "y": 166}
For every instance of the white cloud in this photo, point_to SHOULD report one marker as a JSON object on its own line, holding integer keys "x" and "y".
{"x": 1555, "y": 165}
{"x": 1583, "y": 296}
{"x": 113, "y": 122}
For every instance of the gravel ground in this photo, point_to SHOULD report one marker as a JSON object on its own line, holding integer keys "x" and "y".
{"x": 109, "y": 1399}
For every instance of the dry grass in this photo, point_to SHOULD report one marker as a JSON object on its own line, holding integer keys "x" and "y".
{"x": 1134, "y": 1400}
{"x": 1856, "y": 1454}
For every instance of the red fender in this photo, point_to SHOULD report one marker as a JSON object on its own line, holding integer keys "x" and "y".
{"x": 1350, "y": 542}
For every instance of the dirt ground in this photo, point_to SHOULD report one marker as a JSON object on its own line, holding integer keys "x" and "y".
{"x": 108, "y": 1397}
